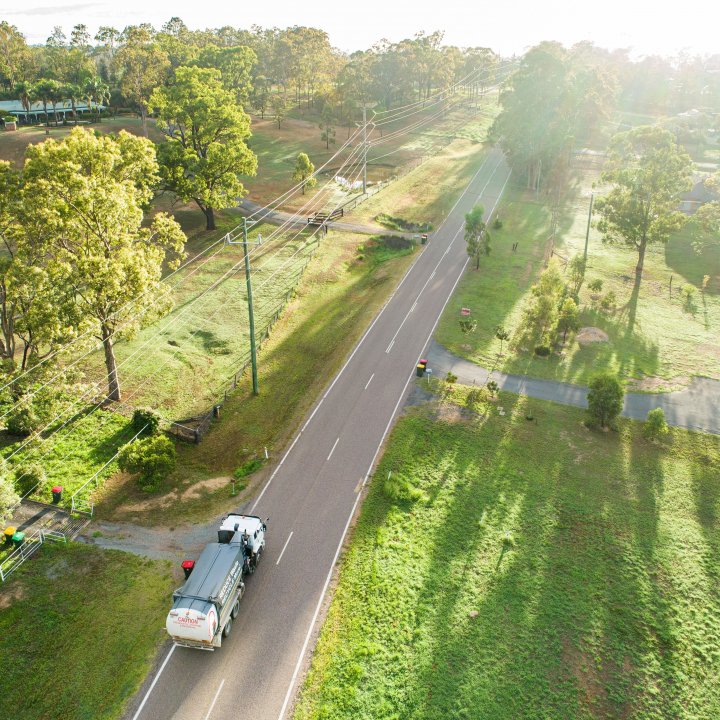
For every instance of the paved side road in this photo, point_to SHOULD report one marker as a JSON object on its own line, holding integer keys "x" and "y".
{"x": 696, "y": 407}
{"x": 312, "y": 496}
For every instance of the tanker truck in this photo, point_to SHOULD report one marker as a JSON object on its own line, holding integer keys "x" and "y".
{"x": 205, "y": 606}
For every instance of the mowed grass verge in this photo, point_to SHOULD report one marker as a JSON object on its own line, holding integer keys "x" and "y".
{"x": 341, "y": 290}
{"x": 655, "y": 336}
{"x": 79, "y": 630}
{"x": 546, "y": 572}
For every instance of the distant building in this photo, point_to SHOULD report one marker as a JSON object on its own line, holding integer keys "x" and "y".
{"x": 36, "y": 113}
{"x": 697, "y": 196}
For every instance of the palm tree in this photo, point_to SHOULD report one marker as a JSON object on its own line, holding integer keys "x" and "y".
{"x": 46, "y": 89}
{"x": 96, "y": 91}
{"x": 57, "y": 94}
{"x": 26, "y": 94}
{"x": 73, "y": 93}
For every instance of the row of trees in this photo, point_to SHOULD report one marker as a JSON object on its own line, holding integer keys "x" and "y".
{"x": 256, "y": 63}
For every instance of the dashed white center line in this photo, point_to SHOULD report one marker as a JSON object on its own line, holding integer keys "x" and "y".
{"x": 284, "y": 548}
{"x": 212, "y": 704}
{"x": 333, "y": 449}
{"x": 369, "y": 381}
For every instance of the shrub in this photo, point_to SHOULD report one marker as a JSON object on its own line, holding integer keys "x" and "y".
{"x": 542, "y": 351}
{"x": 146, "y": 421}
{"x": 655, "y": 427}
{"x": 605, "y": 399}
{"x": 497, "y": 225}
{"x": 451, "y": 378}
{"x": 28, "y": 477}
{"x": 493, "y": 388}
{"x": 33, "y": 412}
{"x": 248, "y": 468}
{"x": 397, "y": 487}
{"x": 596, "y": 285}
{"x": 8, "y": 496}
{"x": 609, "y": 301}
{"x": 152, "y": 459}
{"x": 22, "y": 419}
{"x": 474, "y": 399}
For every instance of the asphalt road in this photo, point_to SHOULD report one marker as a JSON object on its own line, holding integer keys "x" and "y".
{"x": 312, "y": 496}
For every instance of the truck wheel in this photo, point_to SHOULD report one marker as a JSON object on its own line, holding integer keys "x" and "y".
{"x": 228, "y": 627}
{"x": 236, "y": 609}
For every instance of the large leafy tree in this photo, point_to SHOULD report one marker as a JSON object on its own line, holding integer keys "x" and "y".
{"x": 648, "y": 172}
{"x": 554, "y": 98}
{"x": 142, "y": 66}
{"x": 476, "y": 235}
{"x": 14, "y": 54}
{"x": 86, "y": 196}
{"x": 235, "y": 65}
{"x": 206, "y": 154}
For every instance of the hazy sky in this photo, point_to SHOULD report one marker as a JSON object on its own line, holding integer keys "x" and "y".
{"x": 508, "y": 27}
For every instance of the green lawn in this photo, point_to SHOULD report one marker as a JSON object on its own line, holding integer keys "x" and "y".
{"x": 79, "y": 630}
{"x": 654, "y": 337}
{"x": 72, "y": 454}
{"x": 546, "y": 572}
{"x": 205, "y": 339}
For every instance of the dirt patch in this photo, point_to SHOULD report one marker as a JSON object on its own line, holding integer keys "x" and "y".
{"x": 588, "y": 335}
{"x": 195, "y": 491}
{"x": 581, "y": 668}
{"x": 15, "y": 593}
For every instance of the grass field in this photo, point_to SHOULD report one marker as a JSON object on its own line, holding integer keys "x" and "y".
{"x": 336, "y": 299}
{"x": 546, "y": 572}
{"x": 72, "y": 454}
{"x": 655, "y": 337}
{"x": 79, "y": 630}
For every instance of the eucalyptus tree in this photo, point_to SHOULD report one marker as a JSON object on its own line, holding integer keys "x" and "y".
{"x": 206, "y": 154}
{"x": 86, "y": 195}
{"x": 648, "y": 171}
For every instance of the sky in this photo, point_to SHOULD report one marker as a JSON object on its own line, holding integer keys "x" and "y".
{"x": 508, "y": 27}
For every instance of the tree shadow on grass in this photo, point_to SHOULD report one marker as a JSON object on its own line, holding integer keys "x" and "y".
{"x": 572, "y": 624}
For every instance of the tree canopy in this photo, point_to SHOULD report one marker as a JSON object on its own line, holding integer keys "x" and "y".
{"x": 82, "y": 208}
{"x": 648, "y": 172}
{"x": 206, "y": 154}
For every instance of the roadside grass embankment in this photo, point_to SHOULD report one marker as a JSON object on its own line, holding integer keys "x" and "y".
{"x": 342, "y": 289}
{"x": 658, "y": 338}
{"x": 544, "y": 571}
{"x": 79, "y": 630}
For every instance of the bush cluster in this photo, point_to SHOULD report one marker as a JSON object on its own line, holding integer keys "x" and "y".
{"x": 152, "y": 459}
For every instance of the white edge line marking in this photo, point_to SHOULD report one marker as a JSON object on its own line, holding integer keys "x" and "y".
{"x": 152, "y": 685}
{"x": 333, "y": 449}
{"x": 298, "y": 665}
{"x": 369, "y": 381}
{"x": 337, "y": 377}
{"x": 367, "y": 332}
{"x": 212, "y": 704}
{"x": 282, "y": 552}
{"x": 389, "y": 347}
{"x": 394, "y": 292}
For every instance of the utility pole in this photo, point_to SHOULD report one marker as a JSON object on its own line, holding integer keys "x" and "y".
{"x": 253, "y": 349}
{"x": 587, "y": 233}
{"x": 365, "y": 108}
{"x": 365, "y": 149}
{"x": 251, "y": 313}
